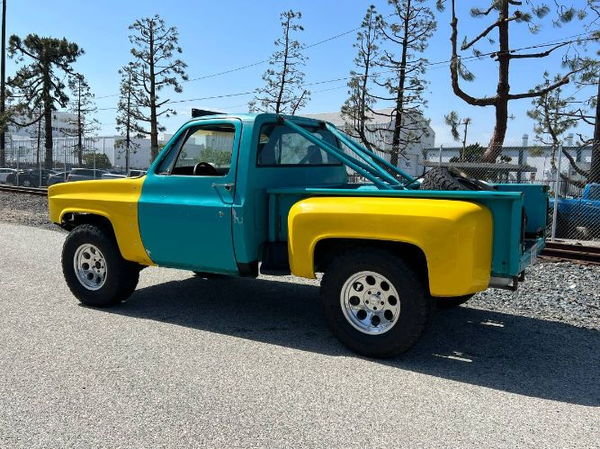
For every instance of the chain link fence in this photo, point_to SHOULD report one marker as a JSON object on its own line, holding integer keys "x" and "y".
{"x": 574, "y": 205}
{"x": 26, "y": 158}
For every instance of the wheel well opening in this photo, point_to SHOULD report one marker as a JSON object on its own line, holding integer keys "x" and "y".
{"x": 73, "y": 219}
{"x": 326, "y": 250}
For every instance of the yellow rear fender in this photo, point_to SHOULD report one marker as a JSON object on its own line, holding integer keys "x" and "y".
{"x": 454, "y": 236}
{"x": 114, "y": 199}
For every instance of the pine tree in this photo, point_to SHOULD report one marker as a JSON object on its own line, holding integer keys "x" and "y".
{"x": 283, "y": 92}
{"x": 40, "y": 82}
{"x": 454, "y": 121}
{"x": 83, "y": 108}
{"x": 588, "y": 76}
{"x": 553, "y": 117}
{"x": 406, "y": 36}
{"x": 127, "y": 111}
{"x": 357, "y": 110}
{"x": 504, "y": 14}
{"x": 154, "y": 68}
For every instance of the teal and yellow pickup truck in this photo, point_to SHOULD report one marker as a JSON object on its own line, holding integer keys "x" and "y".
{"x": 244, "y": 194}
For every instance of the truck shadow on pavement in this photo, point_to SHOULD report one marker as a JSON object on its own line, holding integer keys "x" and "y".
{"x": 527, "y": 356}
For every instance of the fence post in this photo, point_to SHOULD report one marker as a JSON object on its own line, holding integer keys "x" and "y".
{"x": 556, "y": 189}
{"x": 18, "y": 162}
{"x": 65, "y": 157}
{"x": 39, "y": 164}
{"x": 441, "y": 148}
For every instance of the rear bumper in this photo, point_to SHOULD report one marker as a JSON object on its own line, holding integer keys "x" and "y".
{"x": 532, "y": 251}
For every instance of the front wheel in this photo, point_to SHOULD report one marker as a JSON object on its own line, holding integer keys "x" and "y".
{"x": 374, "y": 302}
{"x": 94, "y": 269}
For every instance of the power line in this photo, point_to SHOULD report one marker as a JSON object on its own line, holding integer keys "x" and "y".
{"x": 213, "y": 75}
{"x": 448, "y": 61}
{"x": 254, "y": 64}
{"x": 427, "y": 64}
{"x": 106, "y": 96}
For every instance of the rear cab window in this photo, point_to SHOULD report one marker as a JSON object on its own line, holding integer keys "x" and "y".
{"x": 281, "y": 146}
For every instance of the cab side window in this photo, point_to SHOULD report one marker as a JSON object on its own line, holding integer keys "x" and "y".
{"x": 204, "y": 150}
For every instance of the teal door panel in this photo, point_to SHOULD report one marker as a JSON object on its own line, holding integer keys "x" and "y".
{"x": 186, "y": 220}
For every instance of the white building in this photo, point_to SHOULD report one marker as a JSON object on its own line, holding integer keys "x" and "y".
{"x": 63, "y": 124}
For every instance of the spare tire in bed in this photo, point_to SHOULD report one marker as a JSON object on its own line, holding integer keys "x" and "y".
{"x": 442, "y": 178}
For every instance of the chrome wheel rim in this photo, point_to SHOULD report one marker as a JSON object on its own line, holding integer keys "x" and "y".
{"x": 370, "y": 302}
{"x": 90, "y": 266}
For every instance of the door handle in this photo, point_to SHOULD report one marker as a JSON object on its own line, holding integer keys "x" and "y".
{"x": 227, "y": 186}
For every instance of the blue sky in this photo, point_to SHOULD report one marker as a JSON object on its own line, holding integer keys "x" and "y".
{"x": 218, "y": 36}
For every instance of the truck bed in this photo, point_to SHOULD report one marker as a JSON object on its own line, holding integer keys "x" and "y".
{"x": 513, "y": 247}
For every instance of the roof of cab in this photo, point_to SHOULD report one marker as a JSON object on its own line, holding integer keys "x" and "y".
{"x": 251, "y": 117}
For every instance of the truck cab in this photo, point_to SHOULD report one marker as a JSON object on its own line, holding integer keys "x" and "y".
{"x": 210, "y": 189}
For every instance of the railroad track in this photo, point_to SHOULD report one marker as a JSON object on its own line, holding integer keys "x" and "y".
{"x": 28, "y": 190}
{"x": 574, "y": 252}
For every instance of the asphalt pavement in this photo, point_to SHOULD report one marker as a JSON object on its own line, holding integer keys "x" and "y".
{"x": 238, "y": 363}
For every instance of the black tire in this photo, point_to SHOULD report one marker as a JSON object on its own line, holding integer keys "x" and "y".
{"x": 415, "y": 302}
{"x": 121, "y": 275}
{"x": 441, "y": 178}
{"x": 451, "y": 302}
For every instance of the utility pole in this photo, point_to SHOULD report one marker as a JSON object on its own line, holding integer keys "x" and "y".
{"x": 3, "y": 86}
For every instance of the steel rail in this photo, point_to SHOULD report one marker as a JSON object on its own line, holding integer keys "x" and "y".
{"x": 574, "y": 252}
{"x": 20, "y": 189}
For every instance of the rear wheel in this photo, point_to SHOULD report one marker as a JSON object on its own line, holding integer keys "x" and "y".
{"x": 94, "y": 269}
{"x": 374, "y": 302}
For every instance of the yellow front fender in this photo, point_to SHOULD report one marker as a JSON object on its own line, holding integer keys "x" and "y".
{"x": 114, "y": 199}
{"x": 455, "y": 236}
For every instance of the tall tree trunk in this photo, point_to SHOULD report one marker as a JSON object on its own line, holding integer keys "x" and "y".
{"x": 153, "y": 117}
{"x": 494, "y": 148}
{"x": 79, "y": 126}
{"x": 39, "y": 140}
{"x": 128, "y": 127}
{"x": 3, "y": 86}
{"x": 594, "y": 175}
{"x": 48, "y": 134}
{"x": 398, "y": 116}
{"x": 363, "y": 98}
{"x": 48, "y": 143}
{"x": 461, "y": 158}
{"x": 285, "y": 67}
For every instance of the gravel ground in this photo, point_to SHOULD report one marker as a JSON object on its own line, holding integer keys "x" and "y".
{"x": 566, "y": 292}
{"x": 30, "y": 210}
